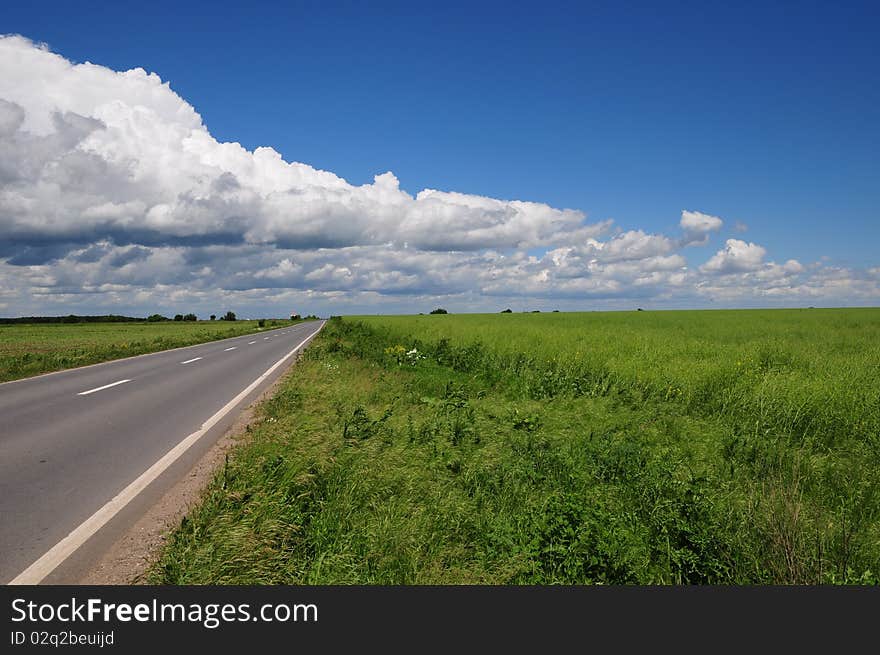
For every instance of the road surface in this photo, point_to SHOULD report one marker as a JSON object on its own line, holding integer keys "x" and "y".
{"x": 83, "y": 451}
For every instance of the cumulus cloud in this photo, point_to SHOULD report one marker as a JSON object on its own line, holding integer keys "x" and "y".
{"x": 90, "y": 153}
{"x": 775, "y": 284}
{"x": 114, "y": 194}
{"x": 736, "y": 257}
{"x": 697, "y": 226}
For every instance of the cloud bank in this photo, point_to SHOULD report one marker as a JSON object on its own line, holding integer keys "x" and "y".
{"x": 113, "y": 193}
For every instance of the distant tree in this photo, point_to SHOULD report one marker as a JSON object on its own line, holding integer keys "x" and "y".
{"x": 536, "y": 311}
{"x": 230, "y": 316}
{"x": 295, "y": 317}
{"x": 261, "y": 322}
{"x": 190, "y": 317}
{"x": 155, "y": 318}
{"x": 555, "y": 311}
{"x": 507, "y": 311}
{"x": 439, "y": 310}
{"x": 213, "y": 317}
{"x": 178, "y": 317}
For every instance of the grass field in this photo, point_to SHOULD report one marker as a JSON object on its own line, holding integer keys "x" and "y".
{"x": 31, "y": 349}
{"x": 715, "y": 447}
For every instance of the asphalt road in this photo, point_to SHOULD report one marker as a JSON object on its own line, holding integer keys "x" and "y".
{"x": 73, "y": 442}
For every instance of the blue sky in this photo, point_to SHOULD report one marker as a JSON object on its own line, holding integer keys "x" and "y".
{"x": 763, "y": 114}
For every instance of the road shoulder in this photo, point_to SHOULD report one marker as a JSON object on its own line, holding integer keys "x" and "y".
{"x": 130, "y": 556}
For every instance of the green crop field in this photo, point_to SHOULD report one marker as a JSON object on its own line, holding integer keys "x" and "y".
{"x": 709, "y": 447}
{"x": 31, "y": 349}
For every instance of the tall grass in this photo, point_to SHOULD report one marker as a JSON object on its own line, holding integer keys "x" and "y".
{"x": 810, "y": 375}
{"x": 447, "y": 449}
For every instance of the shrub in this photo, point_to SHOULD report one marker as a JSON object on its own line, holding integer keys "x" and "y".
{"x": 439, "y": 310}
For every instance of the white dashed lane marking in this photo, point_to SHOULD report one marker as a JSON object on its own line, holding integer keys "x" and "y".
{"x": 106, "y": 386}
{"x": 228, "y": 349}
{"x": 190, "y": 361}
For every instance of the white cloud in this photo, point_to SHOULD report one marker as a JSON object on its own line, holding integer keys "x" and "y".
{"x": 93, "y": 153}
{"x": 736, "y": 257}
{"x": 697, "y": 226}
{"x": 114, "y": 195}
{"x": 634, "y": 244}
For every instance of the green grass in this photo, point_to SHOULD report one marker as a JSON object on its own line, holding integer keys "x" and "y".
{"x": 809, "y": 374}
{"x": 31, "y": 349}
{"x": 653, "y": 448}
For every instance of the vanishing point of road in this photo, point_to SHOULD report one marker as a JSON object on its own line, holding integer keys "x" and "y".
{"x": 84, "y": 452}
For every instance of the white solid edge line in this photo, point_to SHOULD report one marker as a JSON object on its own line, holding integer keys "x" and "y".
{"x": 106, "y": 386}
{"x": 190, "y": 361}
{"x": 228, "y": 349}
{"x": 38, "y": 571}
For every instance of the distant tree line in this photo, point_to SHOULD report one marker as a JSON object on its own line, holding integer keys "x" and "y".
{"x": 104, "y": 318}
{"x": 157, "y": 318}
{"x": 72, "y": 318}
{"x": 115, "y": 318}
